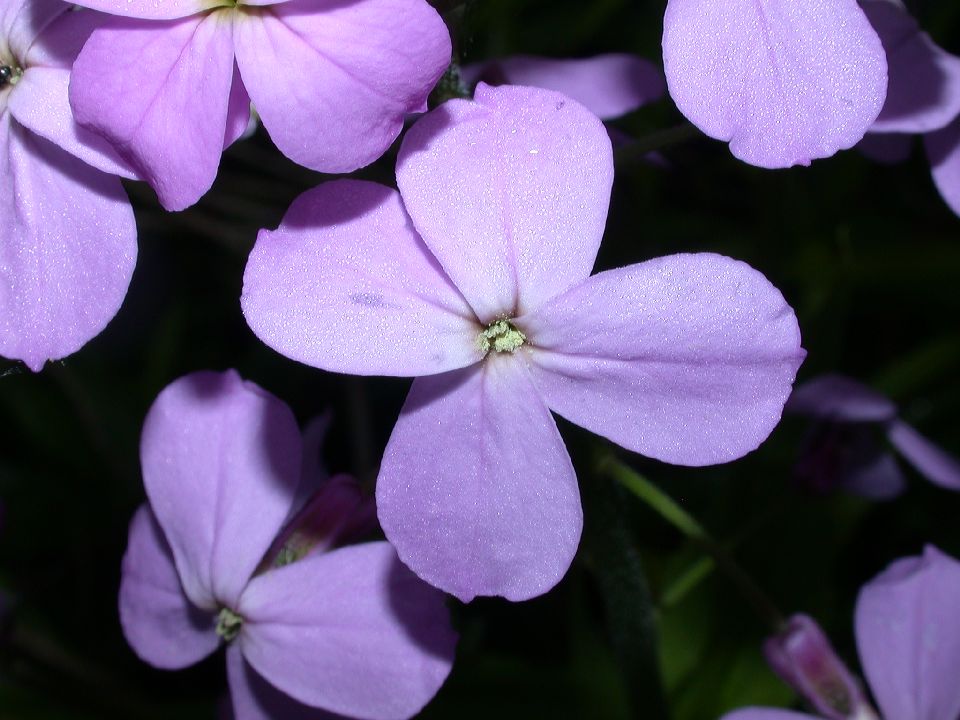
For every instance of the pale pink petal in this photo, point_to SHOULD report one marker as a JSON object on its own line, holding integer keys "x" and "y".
{"x": 688, "y": 358}
{"x": 943, "y": 151}
{"x": 155, "y": 9}
{"x": 160, "y": 623}
{"x": 333, "y": 81}
{"x": 68, "y": 246}
{"x": 510, "y": 192}
{"x": 351, "y": 631}
{"x": 347, "y": 285}
{"x": 784, "y": 81}
{"x": 924, "y": 88}
{"x": 159, "y": 91}
{"x": 908, "y": 634}
{"x": 253, "y": 698}
{"x": 476, "y": 490}
{"x": 220, "y": 460}
{"x": 931, "y": 461}
{"x": 840, "y": 398}
{"x": 21, "y": 21}
{"x": 607, "y": 85}
{"x": 40, "y": 103}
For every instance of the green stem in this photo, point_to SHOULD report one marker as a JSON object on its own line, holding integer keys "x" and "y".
{"x": 669, "y": 510}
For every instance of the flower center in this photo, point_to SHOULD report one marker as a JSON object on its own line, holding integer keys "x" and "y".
{"x": 500, "y": 336}
{"x": 229, "y": 624}
{"x": 9, "y": 75}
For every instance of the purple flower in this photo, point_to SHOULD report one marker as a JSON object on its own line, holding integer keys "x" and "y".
{"x": 607, "y": 85}
{"x": 168, "y": 83}
{"x": 783, "y": 81}
{"x": 351, "y": 630}
{"x": 476, "y": 276}
{"x": 908, "y": 636}
{"x": 68, "y": 242}
{"x": 848, "y": 450}
{"x": 923, "y": 98}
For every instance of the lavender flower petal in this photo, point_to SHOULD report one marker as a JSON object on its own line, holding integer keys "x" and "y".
{"x": 687, "y": 358}
{"x": 489, "y": 504}
{"x": 931, "y": 461}
{"x": 784, "y": 81}
{"x": 22, "y": 21}
{"x": 68, "y": 243}
{"x": 840, "y": 398}
{"x": 159, "y": 92}
{"x": 608, "y": 85}
{"x": 943, "y": 151}
{"x": 372, "y": 642}
{"x": 510, "y": 192}
{"x": 908, "y": 634}
{"x": 221, "y": 461}
{"x": 159, "y": 622}
{"x": 756, "y": 713}
{"x": 346, "y": 284}
{"x": 878, "y": 478}
{"x": 924, "y": 88}
{"x": 333, "y": 84}
{"x": 151, "y": 9}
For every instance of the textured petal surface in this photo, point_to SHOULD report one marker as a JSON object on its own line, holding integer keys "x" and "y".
{"x": 253, "y": 698}
{"x": 510, "y": 192}
{"x": 159, "y": 91}
{"x": 840, "y": 398}
{"x": 908, "y": 634}
{"x": 934, "y": 463}
{"x": 607, "y": 85}
{"x": 347, "y": 285}
{"x": 158, "y": 620}
{"x": 40, "y": 102}
{"x": 332, "y": 80}
{"x": 943, "y": 150}
{"x": 152, "y": 9}
{"x": 352, "y": 631}
{"x": 221, "y": 460}
{"x": 21, "y": 21}
{"x": 476, "y": 490}
{"x": 924, "y": 88}
{"x": 68, "y": 245}
{"x": 784, "y": 81}
{"x": 687, "y": 358}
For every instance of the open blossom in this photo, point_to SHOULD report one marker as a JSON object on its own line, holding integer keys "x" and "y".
{"x": 608, "y": 85}
{"x": 923, "y": 98}
{"x": 170, "y": 83}
{"x": 783, "y": 81}
{"x": 348, "y": 630}
{"x": 908, "y": 637}
{"x": 68, "y": 241}
{"x": 475, "y": 279}
{"x": 849, "y": 447}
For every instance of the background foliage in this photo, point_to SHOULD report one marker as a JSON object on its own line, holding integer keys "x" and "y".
{"x": 641, "y": 627}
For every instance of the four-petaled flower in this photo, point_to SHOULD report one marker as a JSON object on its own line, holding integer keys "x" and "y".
{"x": 351, "y": 630}
{"x": 477, "y": 276}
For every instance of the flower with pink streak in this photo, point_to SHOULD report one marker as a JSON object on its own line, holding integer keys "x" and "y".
{"x": 608, "y": 85}
{"x": 68, "y": 241}
{"x": 848, "y": 448}
{"x": 349, "y": 630}
{"x": 331, "y": 81}
{"x": 923, "y": 98}
{"x": 908, "y": 636}
{"x": 475, "y": 279}
{"x": 783, "y": 81}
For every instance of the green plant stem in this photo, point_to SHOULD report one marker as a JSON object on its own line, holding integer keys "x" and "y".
{"x": 669, "y": 510}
